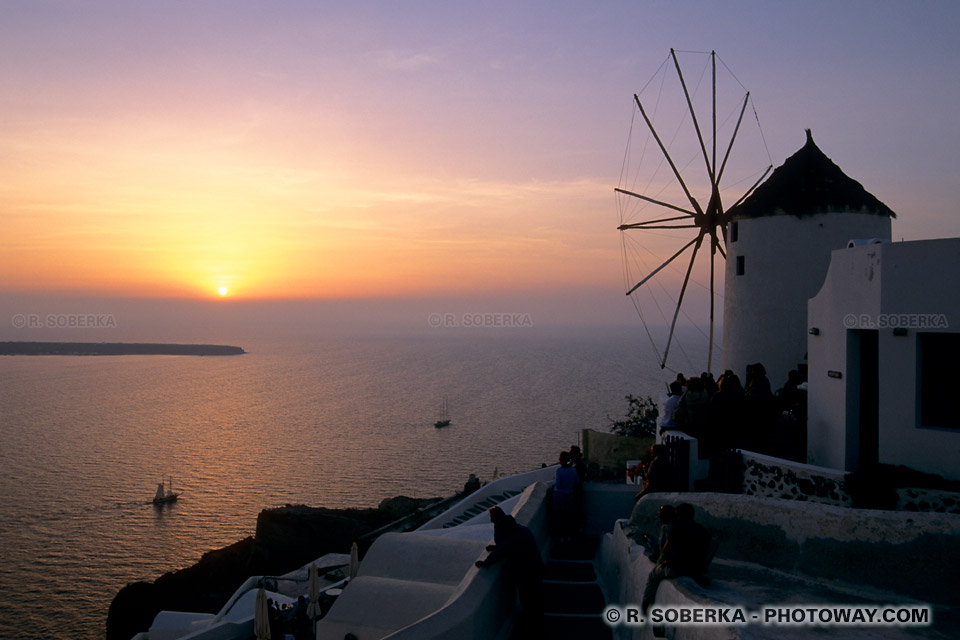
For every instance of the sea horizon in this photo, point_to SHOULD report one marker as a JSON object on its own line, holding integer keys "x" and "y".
{"x": 336, "y": 420}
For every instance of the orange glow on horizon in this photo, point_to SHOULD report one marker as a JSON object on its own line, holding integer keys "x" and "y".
{"x": 150, "y": 222}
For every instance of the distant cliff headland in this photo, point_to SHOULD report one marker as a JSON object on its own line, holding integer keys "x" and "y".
{"x": 115, "y": 349}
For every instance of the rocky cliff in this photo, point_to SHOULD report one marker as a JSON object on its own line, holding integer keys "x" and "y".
{"x": 286, "y": 538}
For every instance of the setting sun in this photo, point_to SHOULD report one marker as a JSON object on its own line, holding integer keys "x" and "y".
{"x": 222, "y": 291}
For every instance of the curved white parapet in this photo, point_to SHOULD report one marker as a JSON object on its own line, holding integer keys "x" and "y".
{"x": 482, "y": 603}
{"x": 170, "y": 625}
{"x": 423, "y": 585}
{"x": 235, "y": 618}
{"x": 233, "y": 623}
{"x": 494, "y": 493}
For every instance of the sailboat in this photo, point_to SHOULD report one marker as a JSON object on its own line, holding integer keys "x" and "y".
{"x": 444, "y": 418}
{"x": 165, "y": 495}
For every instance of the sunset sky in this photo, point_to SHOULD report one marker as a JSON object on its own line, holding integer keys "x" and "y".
{"x": 316, "y": 150}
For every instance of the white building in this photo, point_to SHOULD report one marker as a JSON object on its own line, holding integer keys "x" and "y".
{"x": 884, "y": 346}
{"x": 778, "y": 250}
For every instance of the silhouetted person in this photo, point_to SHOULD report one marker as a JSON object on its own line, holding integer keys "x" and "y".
{"x": 727, "y": 415}
{"x": 709, "y": 384}
{"x": 693, "y": 409}
{"x": 274, "y": 618}
{"x": 687, "y": 552}
{"x": 579, "y": 515}
{"x": 670, "y": 402}
{"x": 576, "y": 458}
{"x": 659, "y": 473}
{"x": 299, "y": 621}
{"x": 565, "y": 485}
{"x": 788, "y": 395}
{"x": 757, "y": 382}
{"x": 515, "y": 545}
{"x": 760, "y": 406}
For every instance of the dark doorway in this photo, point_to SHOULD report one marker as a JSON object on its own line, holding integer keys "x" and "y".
{"x": 863, "y": 400}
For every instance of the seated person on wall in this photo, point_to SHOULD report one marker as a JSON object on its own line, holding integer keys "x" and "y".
{"x": 687, "y": 552}
{"x": 659, "y": 474}
{"x": 654, "y": 548}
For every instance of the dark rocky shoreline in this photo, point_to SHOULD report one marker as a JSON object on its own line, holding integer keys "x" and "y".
{"x": 286, "y": 538}
{"x": 115, "y": 349}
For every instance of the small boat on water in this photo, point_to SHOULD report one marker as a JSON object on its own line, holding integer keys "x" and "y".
{"x": 164, "y": 494}
{"x": 444, "y": 417}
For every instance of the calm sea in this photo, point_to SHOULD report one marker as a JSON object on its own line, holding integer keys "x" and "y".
{"x": 334, "y": 421}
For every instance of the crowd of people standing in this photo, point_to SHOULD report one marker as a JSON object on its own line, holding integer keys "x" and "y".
{"x": 726, "y": 413}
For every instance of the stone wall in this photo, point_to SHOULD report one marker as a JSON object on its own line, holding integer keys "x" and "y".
{"x": 928, "y": 500}
{"x": 611, "y": 451}
{"x": 769, "y": 477}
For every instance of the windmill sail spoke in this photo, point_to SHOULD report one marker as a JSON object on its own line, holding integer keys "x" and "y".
{"x": 726, "y": 156}
{"x": 683, "y": 290}
{"x": 713, "y": 64}
{"x": 693, "y": 115}
{"x": 713, "y": 255}
{"x": 666, "y": 154}
{"x": 659, "y": 202}
{"x": 755, "y": 185}
{"x": 657, "y": 270}
{"x": 637, "y": 225}
{"x": 649, "y": 226}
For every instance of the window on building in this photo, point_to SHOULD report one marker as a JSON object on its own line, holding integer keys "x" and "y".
{"x": 734, "y": 231}
{"x": 739, "y": 265}
{"x": 937, "y": 359}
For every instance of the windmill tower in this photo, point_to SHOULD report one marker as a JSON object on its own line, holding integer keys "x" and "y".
{"x": 779, "y": 241}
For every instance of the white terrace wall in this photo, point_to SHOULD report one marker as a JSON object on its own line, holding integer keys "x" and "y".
{"x": 857, "y": 546}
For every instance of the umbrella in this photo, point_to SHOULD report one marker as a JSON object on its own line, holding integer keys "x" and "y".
{"x": 313, "y": 609}
{"x": 354, "y": 561}
{"x": 261, "y": 617}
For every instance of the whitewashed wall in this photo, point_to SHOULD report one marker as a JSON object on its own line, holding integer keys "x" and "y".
{"x": 873, "y": 283}
{"x": 786, "y": 259}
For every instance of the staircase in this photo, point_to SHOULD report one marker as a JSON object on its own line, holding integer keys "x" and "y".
{"x": 479, "y": 507}
{"x": 573, "y": 599}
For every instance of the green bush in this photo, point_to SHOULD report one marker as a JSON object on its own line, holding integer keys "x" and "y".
{"x": 641, "y": 418}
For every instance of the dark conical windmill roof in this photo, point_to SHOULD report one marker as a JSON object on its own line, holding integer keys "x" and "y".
{"x": 808, "y": 183}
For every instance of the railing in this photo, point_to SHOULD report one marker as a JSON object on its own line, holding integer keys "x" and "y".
{"x": 678, "y": 452}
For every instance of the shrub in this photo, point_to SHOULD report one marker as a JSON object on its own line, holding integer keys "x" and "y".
{"x": 641, "y": 418}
